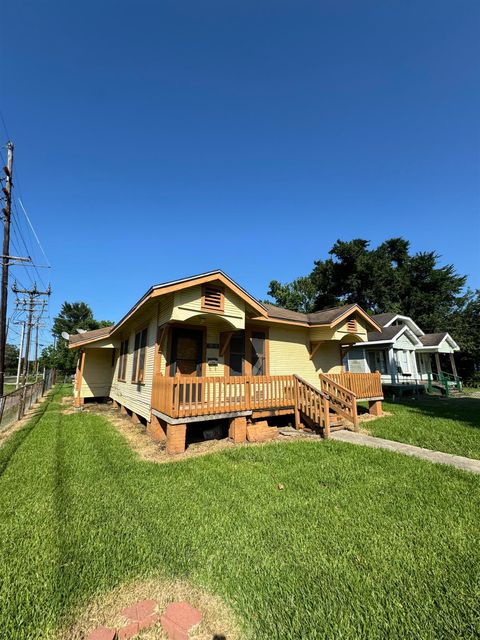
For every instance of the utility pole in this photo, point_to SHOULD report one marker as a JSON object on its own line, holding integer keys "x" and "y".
{"x": 7, "y": 213}
{"x": 20, "y": 353}
{"x": 36, "y": 351}
{"x": 33, "y": 303}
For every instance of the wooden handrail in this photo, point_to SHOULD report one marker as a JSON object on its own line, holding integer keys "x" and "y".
{"x": 342, "y": 400}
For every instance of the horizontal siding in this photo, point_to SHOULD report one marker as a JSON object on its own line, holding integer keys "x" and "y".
{"x": 403, "y": 342}
{"x": 233, "y": 305}
{"x": 328, "y": 359}
{"x": 289, "y": 354}
{"x": 137, "y": 397}
{"x": 288, "y": 351}
{"x": 213, "y": 337}
{"x": 97, "y": 373}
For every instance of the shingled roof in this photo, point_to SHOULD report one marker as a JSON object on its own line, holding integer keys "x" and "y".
{"x": 325, "y": 316}
{"x": 386, "y": 334}
{"x": 86, "y": 336}
{"x": 433, "y": 339}
{"x": 384, "y": 318}
{"x": 265, "y": 311}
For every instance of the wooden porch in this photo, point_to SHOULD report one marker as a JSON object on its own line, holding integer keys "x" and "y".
{"x": 184, "y": 399}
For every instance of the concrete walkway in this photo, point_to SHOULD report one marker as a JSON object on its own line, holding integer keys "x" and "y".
{"x": 467, "y": 464}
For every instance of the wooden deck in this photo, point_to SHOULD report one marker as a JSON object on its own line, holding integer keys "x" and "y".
{"x": 186, "y": 397}
{"x": 191, "y": 399}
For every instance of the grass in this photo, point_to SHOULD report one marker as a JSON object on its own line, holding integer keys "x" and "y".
{"x": 451, "y": 425}
{"x": 360, "y": 544}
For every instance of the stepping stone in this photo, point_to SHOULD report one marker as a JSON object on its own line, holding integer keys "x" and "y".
{"x": 141, "y": 615}
{"x": 140, "y": 610}
{"x": 102, "y": 633}
{"x": 178, "y": 619}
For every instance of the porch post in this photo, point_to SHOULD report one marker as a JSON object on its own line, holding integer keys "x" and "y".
{"x": 413, "y": 362}
{"x": 79, "y": 379}
{"x": 453, "y": 365}
{"x": 392, "y": 368}
{"x": 437, "y": 362}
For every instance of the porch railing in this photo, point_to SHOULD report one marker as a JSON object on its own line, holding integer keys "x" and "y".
{"x": 183, "y": 396}
{"x": 445, "y": 380}
{"x": 363, "y": 385}
{"x": 342, "y": 400}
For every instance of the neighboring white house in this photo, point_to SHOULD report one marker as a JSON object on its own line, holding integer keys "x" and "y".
{"x": 402, "y": 352}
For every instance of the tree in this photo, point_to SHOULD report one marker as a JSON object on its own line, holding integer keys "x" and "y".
{"x": 11, "y": 359}
{"x": 465, "y": 329}
{"x": 387, "y": 278}
{"x": 299, "y": 295}
{"x": 72, "y": 316}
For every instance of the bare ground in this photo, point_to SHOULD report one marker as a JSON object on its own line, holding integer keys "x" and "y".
{"x": 218, "y": 620}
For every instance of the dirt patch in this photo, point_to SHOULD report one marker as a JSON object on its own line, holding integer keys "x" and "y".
{"x": 67, "y": 405}
{"x": 151, "y": 451}
{"x": 218, "y": 620}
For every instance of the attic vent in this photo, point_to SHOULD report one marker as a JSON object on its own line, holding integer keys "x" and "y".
{"x": 352, "y": 326}
{"x": 212, "y": 299}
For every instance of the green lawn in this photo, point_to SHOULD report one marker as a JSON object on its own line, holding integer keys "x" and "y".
{"x": 451, "y": 425}
{"x": 361, "y": 543}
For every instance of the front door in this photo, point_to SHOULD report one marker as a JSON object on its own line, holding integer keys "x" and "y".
{"x": 187, "y": 348}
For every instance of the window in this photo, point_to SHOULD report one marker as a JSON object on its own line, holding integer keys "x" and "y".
{"x": 377, "y": 361}
{"x": 212, "y": 298}
{"x": 139, "y": 352}
{"x": 122, "y": 361}
{"x": 237, "y": 354}
{"x": 258, "y": 354}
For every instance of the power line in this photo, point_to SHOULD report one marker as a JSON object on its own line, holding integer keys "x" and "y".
{"x": 34, "y": 233}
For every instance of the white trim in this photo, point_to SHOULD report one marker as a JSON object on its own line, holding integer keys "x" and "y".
{"x": 436, "y": 348}
{"x": 407, "y": 319}
{"x": 401, "y": 330}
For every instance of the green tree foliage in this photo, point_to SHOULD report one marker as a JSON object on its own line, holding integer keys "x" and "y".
{"x": 72, "y": 316}
{"x": 299, "y": 295}
{"x": 389, "y": 278}
{"x": 11, "y": 359}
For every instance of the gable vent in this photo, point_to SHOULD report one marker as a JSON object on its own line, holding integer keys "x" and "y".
{"x": 352, "y": 325}
{"x": 212, "y": 298}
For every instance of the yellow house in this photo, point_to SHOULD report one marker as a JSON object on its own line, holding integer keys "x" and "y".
{"x": 202, "y": 348}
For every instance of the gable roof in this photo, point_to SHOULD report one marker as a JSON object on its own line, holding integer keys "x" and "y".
{"x": 386, "y": 334}
{"x": 266, "y": 311}
{"x": 324, "y": 318}
{"x": 433, "y": 340}
{"x": 387, "y": 319}
{"x": 390, "y": 335}
{"x": 88, "y": 336}
{"x": 384, "y": 318}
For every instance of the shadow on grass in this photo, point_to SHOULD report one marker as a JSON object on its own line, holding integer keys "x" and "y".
{"x": 9, "y": 448}
{"x": 465, "y": 410}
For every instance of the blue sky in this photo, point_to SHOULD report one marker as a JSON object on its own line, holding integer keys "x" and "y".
{"x": 159, "y": 139}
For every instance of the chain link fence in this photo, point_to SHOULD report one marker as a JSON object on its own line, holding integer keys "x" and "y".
{"x": 14, "y": 405}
